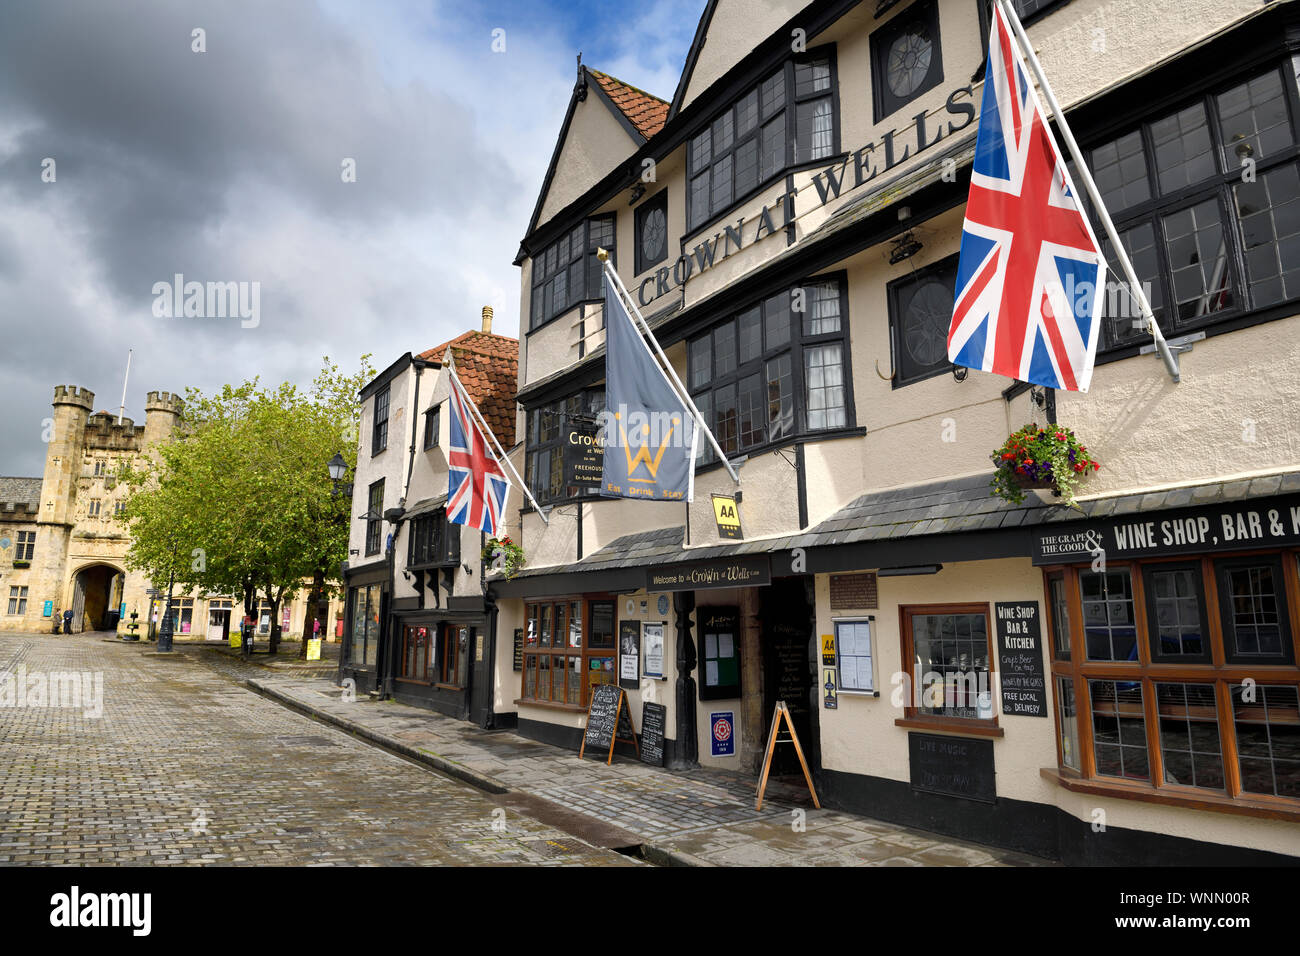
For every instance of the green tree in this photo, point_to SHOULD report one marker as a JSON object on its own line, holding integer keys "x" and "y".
{"x": 238, "y": 501}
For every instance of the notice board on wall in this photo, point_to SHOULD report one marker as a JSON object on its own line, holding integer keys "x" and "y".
{"x": 1020, "y": 658}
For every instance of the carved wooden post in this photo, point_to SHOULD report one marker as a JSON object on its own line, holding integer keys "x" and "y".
{"x": 686, "y": 754}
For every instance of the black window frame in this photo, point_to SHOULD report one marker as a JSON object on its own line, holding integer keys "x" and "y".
{"x": 795, "y": 347}
{"x": 885, "y": 102}
{"x": 379, "y": 425}
{"x": 1231, "y": 655}
{"x": 432, "y": 542}
{"x": 25, "y": 546}
{"x": 788, "y": 110}
{"x": 432, "y": 425}
{"x": 374, "y": 516}
{"x": 943, "y": 270}
{"x": 585, "y": 404}
{"x": 1153, "y": 626}
{"x": 659, "y": 202}
{"x": 1220, "y": 186}
{"x": 585, "y": 264}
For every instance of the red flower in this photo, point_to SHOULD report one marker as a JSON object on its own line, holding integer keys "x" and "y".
{"x": 1060, "y": 436}
{"x": 1095, "y": 466}
{"x": 1008, "y": 456}
{"x": 1029, "y": 461}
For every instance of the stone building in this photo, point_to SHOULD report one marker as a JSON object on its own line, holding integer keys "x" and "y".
{"x": 62, "y": 545}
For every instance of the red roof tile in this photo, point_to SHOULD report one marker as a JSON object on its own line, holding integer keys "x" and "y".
{"x": 647, "y": 113}
{"x": 488, "y": 367}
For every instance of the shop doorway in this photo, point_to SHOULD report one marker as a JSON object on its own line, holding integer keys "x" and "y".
{"x": 95, "y": 593}
{"x": 788, "y": 672}
{"x": 219, "y": 620}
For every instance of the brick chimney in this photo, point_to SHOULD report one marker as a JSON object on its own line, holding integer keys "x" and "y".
{"x": 487, "y": 319}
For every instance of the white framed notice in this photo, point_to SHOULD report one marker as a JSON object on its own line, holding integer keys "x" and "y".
{"x": 855, "y": 643}
{"x": 652, "y": 643}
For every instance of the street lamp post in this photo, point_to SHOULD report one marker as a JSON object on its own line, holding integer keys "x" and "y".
{"x": 168, "y": 625}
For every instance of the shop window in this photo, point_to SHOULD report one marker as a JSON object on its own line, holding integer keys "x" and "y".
{"x": 1166, "y": 722}
{"x": 1059, "y": 606}
{"x": 454, "y": 657}
{"x": 776, "y": 370}
{"x": 787, "y": 119}
{"x": 1067, "y": 718}
{"x": 432, "y": 426}
{"x": 1207, "y": 240}
{"x": 920, "y": 314}
{"x": 1253, "y": 606}
{"x": 379, "y": 427}
{"x": 1189, "y": 735}
{"x": 652, "y": 231}
{"x": 547, "y": 429}
{"x": 182, "y": 612}
{"x": 947, "y": 651}
{"x": 856, "y": 656}
{"x": 1119, "y": 737}
{"x": 1109, "y": 628}
{"x": 418, "y": 658}
{"x": 1267, "y": 725}
{"x": 374, "y": 516}
{"x": 17, "y": 600}
{"x": 363, "y": 643}
{"x": 568, "y": 649}
{"x": 905, "y": 58}
{"x": 26, "y": 546}
{"x": 719, "y": 629}
{"x": 1175, "y": 598}
{"x": 567, "y": 271}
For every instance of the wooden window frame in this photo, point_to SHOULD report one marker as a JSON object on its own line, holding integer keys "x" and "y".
{"x": 450, "y": 676}
{"x": 585, "y": 652}
{"x": 431, "y": 634}
{"x": 379, "y": 425}
{"x": 374, "y": 517}
{"x": 912, "y": 718}
{"x": 1219, "y": 672}
{"x": 432, "y": 425}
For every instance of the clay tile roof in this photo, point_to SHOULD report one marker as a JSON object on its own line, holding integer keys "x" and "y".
{"x": 488, "y": 366}
{"x": 647, "y": 113}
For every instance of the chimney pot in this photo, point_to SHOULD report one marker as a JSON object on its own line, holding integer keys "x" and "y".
{"x": 487, "y": 319}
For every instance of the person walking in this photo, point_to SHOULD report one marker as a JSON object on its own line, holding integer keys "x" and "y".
{"x": 67, "y": 621}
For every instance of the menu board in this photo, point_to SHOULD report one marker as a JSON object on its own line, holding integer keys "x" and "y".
{"x": 629, "y": 654}
{"x": 957, "y": 766}
{"x": 654, "y": 718}
{"x": 1020, "y": 658}
{"x": 601, "y": 714}
{"x": 519, "y": 649}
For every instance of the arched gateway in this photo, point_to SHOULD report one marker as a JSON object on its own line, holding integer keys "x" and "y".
{"x": 96, "y": 597}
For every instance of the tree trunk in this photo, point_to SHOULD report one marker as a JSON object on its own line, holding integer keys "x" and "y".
{"x": 313, "y": 613}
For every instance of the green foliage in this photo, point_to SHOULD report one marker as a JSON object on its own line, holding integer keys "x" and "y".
{"x": 239, "y": 500}
{"x": 1035, "y": 457}
{"x": 503, "y": 555}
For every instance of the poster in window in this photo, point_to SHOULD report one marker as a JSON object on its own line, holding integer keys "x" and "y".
{"x": 629, "y": 654}
{"x": 652, "y": 637}
{"x": 720, "y": 642}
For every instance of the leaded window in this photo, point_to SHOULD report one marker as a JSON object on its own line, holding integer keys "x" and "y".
{"x": 567, "y": 271}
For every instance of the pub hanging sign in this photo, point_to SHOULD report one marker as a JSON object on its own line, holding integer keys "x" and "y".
{"x": 583, "y": 453}
{"x": 1236, "y": 526}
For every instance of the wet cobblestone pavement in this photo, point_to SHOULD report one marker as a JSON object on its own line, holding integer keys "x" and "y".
{"x": 186, "y": 767}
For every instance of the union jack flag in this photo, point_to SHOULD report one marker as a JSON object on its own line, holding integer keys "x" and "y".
{"x": 1028, "y": 297}
{"x": 476, "y": 485}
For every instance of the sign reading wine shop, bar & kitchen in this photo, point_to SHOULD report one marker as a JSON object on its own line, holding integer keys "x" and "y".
{"x": 1020, "y": 658}
{"x": 1236, "y": 526}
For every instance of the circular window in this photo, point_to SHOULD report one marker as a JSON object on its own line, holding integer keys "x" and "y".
{"x": 925, "y": 328}
{"x": 909, "y": 59}
{"x": 654, "y": 232}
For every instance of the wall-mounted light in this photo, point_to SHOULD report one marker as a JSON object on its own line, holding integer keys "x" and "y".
{"x": 637, "y": 192}
{"x": 959, "y": 372}
{"x": 905, "y": 246}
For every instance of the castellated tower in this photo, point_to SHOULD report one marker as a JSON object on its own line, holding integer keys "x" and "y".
{"x": 67, "y": 445}
{"x": 162, "y": 413}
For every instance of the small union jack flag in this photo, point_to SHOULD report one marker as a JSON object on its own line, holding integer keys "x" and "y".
{"x": 1028, "y": 297}
{"x": 476, "y": 485}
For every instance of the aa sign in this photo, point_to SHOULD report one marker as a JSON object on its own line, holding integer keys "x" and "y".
{"x": 727, "y": 514}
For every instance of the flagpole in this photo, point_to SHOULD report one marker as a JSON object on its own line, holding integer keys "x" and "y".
{"x": 643, "y": 330}
{"x": 455, "y": 383}
{"x": 125, "y": 378}
{"x": 1171, "y": 362}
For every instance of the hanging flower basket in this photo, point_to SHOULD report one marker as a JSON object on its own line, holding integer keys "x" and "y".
{"x": 503, "y": 554}
{"x": 1048, "y": 461}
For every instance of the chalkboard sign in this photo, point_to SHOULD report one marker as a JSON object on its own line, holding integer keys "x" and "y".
{"x": 1020, "y": 658}
{"x": 629, "y": 654}
{"x": 519, "y": 649}
{"x": 608, "y": 720}
{"x": 653, "y": 720}
{"x": 957, "y": 766}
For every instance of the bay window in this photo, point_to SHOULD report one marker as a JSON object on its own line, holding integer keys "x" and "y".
{"x": 568, "y": 649}
{"x": 567, "y": 271}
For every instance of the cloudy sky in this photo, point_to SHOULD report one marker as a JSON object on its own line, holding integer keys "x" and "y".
{"x": 227, "y": 165}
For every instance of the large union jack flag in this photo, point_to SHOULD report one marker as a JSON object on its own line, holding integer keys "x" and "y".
{"x": 476, "y": 485}
{"x": 1027, "y": 302}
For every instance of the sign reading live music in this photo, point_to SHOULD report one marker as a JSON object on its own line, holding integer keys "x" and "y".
{"x": 1234, "y": 526}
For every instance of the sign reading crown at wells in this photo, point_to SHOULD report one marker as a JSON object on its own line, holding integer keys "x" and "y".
{"x": 649, "y": 433}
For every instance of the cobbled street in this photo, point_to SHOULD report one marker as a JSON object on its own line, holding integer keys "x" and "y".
{"x": 185, "y": 766}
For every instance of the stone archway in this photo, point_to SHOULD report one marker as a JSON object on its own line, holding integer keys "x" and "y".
{"x": 96, "y": 595}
